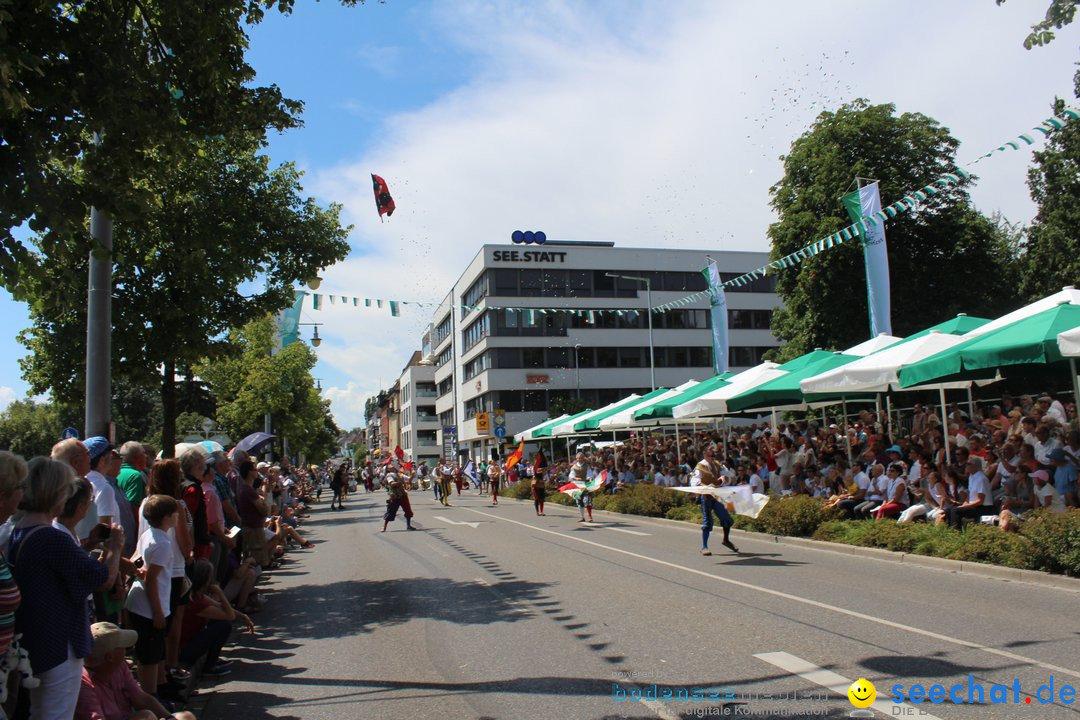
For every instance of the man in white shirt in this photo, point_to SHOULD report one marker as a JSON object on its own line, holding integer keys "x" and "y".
{"x": 707, "y": 472}
{"x": 1054, "y": 409}
{"x": 980, "y": 500}
{"x": 108, "y": 511}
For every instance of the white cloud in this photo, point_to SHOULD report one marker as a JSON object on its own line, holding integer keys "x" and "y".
{"x": 347, "y": 403}
{"x": 655, "y": 125}
{"x": 7, "y": 396}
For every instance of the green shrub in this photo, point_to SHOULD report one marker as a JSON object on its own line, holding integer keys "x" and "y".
{"x": 986, "y": 544}
{"x": 1055, "y": 541}
{"x": 521, "y": 490}
{"x": 797, "y": 516}
{"x": 690, "y": 513}
{"x": 832, "y": 531}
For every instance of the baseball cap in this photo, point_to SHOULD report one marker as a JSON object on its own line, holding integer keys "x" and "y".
{"x": 108, "y": 636}
{"x": 1045, "y": 398}
{"x": 1041, "y": 475}
{"x": 896, "y": 449}
{"x": 97, "y": 446}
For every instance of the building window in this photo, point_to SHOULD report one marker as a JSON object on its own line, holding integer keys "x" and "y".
{"x": 443, "y": 330}
{"x": 749, "y": 319}
{"x": 444, "y": 356}
{"x": 477, "y": 331}
{"x": 746, "y": 356}
{"x": 445, "y": 386}
{"x": 478, "y": 291}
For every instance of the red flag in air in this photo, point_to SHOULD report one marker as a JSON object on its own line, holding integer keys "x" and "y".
{"x": 538, "y": 461}
{"x": 399, "y": 453}
{"x": 383, "y": 201}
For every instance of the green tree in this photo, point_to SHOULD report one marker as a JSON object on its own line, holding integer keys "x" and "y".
{"x": 1051, "y": 255}
{"x": 253, "y": 382}
{"x": 228, "y": 239}
{"x": 942, "y": 255}
{"x": 142, "y": 75}
{"x": 1059, "y": 14}
{"x": 29, "y": 428}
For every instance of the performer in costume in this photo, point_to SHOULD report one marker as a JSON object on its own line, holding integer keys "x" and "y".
{"x": 709, "y": 472}
{"x": 337, "y": 482}
{"x": 539, "y": 491}
{"x": 579, "y": 474}
{"x": 445, "y": 477}
{"x": 399, "y": 499}
{"x": 494, "y": 473}
{"x": 457, "y": 476}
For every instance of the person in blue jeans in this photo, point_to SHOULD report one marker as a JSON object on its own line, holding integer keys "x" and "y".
{"x": 709, "y": 472}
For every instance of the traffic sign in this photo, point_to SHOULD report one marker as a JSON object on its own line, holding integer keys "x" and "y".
{"x": 500, "y": 431}
{"x": 500, "y": 417}
{"x": 483, "y": 423}
{"x": 69, "y": 433}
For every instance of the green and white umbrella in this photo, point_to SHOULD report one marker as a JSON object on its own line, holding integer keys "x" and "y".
{"x": 624, "y": 419}
{"x": 661, "y": 408}
{"x": 530, "y": 434}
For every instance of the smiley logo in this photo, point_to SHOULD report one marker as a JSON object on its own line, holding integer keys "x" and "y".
{"x": 862, "y": 693}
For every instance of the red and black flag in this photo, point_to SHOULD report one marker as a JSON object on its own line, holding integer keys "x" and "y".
{"x": 383, "y": 201}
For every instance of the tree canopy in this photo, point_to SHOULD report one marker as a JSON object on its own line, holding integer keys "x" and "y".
{"x": 941, "y": 255}
{"x": 1059, "y": 14}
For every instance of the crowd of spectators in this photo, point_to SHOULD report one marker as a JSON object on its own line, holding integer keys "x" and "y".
{"x": 123, "y": 577}
{"x": 987, "y": 462}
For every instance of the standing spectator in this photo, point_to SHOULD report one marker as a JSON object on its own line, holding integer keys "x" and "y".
{"x": 12, "y": 473}
{"x": 77, "y": 456}
{"x": 193, "y": 465}
{"x": 108, "y": 511}
{"x": 148, "y": 602}
{"x": 132, "y": 478}
{"x": 253, "y": 512}
{"x": 55, "y": 576}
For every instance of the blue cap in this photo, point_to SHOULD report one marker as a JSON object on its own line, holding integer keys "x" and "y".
{"x": 896, "y": 449}
{"x": 97, "y": 446}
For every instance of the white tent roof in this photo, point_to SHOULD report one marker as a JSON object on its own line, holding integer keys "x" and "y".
{"x": 527, "y": 434}
{"x": 872, "y": 345}
{"x": 625, "y": 418}
{"x": 878, "y": 372}
{"x": 1069, "y": 343}
{"x": 715, "y": 403}
{"x": 567, "y": 428}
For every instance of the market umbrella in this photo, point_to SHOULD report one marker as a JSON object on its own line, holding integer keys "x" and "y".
{"x": 1028, "y": 340}
{"x": 545, "y": 430}
{"x": 1069, "y": 346}
{"x": 530, "y": 434}
{"x": 785, "y": 390}
{"x": 624, "y": 418}
{"x": 255, "y": 442}
{"x": 592, "y": 422}
{"x": 715, "y": 403}
{"x": 662, "y": 408}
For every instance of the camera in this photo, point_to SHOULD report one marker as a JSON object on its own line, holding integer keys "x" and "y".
{"x": 102, "y": 532}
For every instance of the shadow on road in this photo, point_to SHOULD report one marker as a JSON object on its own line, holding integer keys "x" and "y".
{"x": 355, "y": 607}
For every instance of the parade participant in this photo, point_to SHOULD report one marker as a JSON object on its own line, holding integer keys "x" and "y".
{"x": 399, "y": 499}
{"x": 458, "y": 477}
{"x": 494, "y": 474}
{"x": 539, "y": 492}
{"x": 707, "y": 472}
{"x": 337, "y": 483}
{"x": 579, "y": 475}
{"x": 368, "y": 477}
{"x": 445, "y": 477}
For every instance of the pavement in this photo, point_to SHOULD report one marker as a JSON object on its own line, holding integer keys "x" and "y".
{"x": 494, "y": 612}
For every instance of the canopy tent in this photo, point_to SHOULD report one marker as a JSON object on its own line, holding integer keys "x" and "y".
{"x": 568, "y": 426}
{"x": 715, "y": 402}
{"x": 1069, "y": 343}
{"x": 544, "y": 430}
{"x": 592, "y": 422}
{"x": 878, "y": 372}
{"x": 1031, "y": 339}
{"x": 530, "y": 434}
{"x": 662, "y": 408}
{"x": 872, "y": 345}
{"x": 624, "y": 418}
{"x": 1067, "y": 294}
{"x": 784, "y": 391}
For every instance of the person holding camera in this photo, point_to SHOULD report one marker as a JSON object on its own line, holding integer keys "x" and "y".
{"x": 55, "y": 575}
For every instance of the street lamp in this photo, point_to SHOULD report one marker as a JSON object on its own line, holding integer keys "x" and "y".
{"x": 577, "y": 370}
{"x": 316, "y": 341}
{"x": 648, "y": 301}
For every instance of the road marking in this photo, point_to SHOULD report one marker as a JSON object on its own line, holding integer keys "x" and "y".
{"x": 805, "y": 601}
{"x": 837, "y": 683}
{"x": 455, "y": 522}
{"x": 624, "y": 530}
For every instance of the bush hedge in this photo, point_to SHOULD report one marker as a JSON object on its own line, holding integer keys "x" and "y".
{"x": 1046, "y": 541}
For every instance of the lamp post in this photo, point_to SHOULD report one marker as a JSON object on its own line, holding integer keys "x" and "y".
{"x": 577, "y": 371}
{"x": 648, "y": 301}
{"x": 316, "y": 341}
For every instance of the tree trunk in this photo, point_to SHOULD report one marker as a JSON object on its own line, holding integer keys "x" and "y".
{"x": 168, "y": 410}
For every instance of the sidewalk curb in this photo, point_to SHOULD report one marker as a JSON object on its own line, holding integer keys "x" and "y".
{"x": 995, "y": 572}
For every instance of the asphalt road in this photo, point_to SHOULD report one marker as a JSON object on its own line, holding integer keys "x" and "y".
{"x": 493, "y": 612}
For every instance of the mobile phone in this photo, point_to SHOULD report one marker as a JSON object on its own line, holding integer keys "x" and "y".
{"x": 103, "y": 531}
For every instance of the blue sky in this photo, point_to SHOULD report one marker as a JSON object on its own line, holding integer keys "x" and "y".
{"x": 646, "y": 123}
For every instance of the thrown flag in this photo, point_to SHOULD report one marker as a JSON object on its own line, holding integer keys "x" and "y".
{"x": 383, "y": 202}
{"x": 515, "y": 457}
{"x": 739, "y": 499}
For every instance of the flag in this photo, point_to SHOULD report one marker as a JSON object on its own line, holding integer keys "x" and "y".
{"x": 739, "y": 499}
{"x": 718, "y": 308}
{"x": 866, "y": 202}
{"x": 288, "y": 324}
{"x": 538, "y": 461}
{"x": 399, "y": 453}
{"x": 470, "y": 472}
{"x": 515, "y": 457}
{"x": 383, "y": 202}
{"x": 408, "y": 466}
